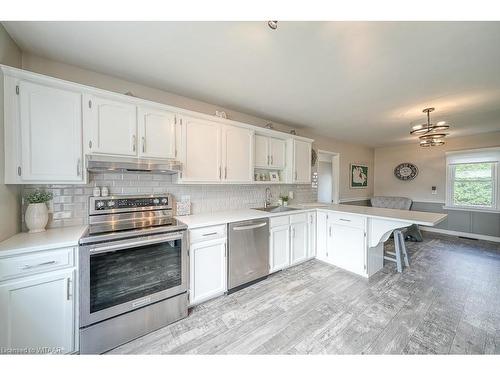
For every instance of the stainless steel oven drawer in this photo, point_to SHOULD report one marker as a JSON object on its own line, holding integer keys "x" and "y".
{"x": 109, "y": 334}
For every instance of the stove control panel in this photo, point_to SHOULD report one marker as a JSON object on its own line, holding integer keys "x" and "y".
{"x": 130, "y": 203}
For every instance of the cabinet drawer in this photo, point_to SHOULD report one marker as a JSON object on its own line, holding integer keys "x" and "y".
{"x": 298, "y": 218}
{"x": 207, "y": 233}
{"x": 279, "y": 221}
{"x": 33, "y": 263}
{"x": 347, "y": 220}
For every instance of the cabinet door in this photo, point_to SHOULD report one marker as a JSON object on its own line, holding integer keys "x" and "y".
{"x": 347, "y": 248}
{"x": 237, "y": 154}
{"x": 277, "y": 153}
{"x": 302, "y": 162}
{"x": 39, "y": 312}
{"x": 279, "y": 248}
{"x": 112, "y": 126}
{"x": 299, "y": 242}
{"x": 157, "y": 133}
{"x": 201, "y": 150}
{"x": 311, "y": 232}
{"x": 51, "y": 133}
{"x": 261, "y": 151}
{"x": 208, "y": 270}
{"x": 321, "y": 235}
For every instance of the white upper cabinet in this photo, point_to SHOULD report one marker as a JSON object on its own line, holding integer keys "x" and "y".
{"x": 50, "y": 131}
{"x": 201, "y": 148}
{"x": 277, "y": 153}
{"x": 269, "y": 152}
{"x": 237, "y": 154}
{"x": 261, "y": 151}
{"x": 156, "y": 133}
{"x": 111, "y": 126}
{"x": 301, "y": 171}
{"x": 51, "y": 125}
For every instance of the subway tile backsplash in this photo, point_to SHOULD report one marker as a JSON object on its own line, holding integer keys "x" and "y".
{"x": 70, "y": 203}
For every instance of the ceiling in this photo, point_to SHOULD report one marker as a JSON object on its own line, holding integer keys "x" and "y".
{"x": 363, "y": 82}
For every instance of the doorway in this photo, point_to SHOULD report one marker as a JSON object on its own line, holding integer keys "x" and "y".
{"x": 328, "y": 177}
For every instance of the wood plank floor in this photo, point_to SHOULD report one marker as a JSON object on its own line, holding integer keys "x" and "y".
{"x": 448, "y": 301}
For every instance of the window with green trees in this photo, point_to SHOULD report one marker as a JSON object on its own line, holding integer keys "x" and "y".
{"x": 473, "y": 184}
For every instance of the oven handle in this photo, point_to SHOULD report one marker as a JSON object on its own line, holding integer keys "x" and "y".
{"x": 126, "y": 244}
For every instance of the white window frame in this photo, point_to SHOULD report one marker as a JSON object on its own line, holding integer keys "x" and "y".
{"x": 486, "y": 155}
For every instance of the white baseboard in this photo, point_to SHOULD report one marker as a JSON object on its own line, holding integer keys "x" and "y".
{"x": 461, "y": 234}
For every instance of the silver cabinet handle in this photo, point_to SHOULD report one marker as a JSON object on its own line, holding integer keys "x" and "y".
{"x": 143, "y": 144}
{"x": 225, "y": 172}
{"x": 68, "y": 288}
{"x": 209, "y": 234}
{"x": 19, "y": 171}
{"x": 78, "y": 167}
{"x": 247, "y": 227}
{"x": 268, "y": 160}
{"x": 220, "y": 172}
{"x": 345, "y": 220}
{"x": 272, "y": 162}
{"x": 29, "y": 266}
{"x": 330, "y": 231}
{"x": 133, "y": 143}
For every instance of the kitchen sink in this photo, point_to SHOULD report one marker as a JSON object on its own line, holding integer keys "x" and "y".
{"x": 276, "y": 209}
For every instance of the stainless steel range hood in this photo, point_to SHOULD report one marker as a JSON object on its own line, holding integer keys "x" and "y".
{"x": 102, "y": 163}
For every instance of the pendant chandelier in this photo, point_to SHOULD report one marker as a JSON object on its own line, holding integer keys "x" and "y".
{"x": 430, "y": 134}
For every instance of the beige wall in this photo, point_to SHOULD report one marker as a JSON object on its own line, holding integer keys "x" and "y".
{"x": 10, "y": 216}
{"x": 430, "y": 162}
{"x": 348, "y": 152}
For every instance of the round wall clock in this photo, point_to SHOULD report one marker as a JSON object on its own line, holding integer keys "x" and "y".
{"x": 406, "y": 171}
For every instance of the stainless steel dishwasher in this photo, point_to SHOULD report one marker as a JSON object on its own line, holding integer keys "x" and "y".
{"x": 248, "y": 252}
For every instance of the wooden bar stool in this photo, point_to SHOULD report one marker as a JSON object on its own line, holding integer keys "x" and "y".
{"x": 399, "y": 255}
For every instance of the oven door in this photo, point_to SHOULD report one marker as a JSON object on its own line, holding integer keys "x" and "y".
{"x": 121, "y": 276}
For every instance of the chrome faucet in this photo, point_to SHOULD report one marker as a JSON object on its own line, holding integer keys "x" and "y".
{"x": 267, "y": 202}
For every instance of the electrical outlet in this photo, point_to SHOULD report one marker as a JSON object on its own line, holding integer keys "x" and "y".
{"x": 434, "y": 190}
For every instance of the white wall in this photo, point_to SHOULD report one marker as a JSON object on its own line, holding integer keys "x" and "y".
{"x": 430, "y": 162}
{"x": 10, "y": 216}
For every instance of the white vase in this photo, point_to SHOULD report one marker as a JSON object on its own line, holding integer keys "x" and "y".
{"x": 36, "y": 217}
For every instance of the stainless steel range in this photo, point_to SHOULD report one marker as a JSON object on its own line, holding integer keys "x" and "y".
{"x": 133, "y": 270}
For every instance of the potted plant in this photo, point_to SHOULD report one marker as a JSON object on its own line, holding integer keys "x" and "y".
{"x": 284, "y": 199}
{"x": 37, "y": 214}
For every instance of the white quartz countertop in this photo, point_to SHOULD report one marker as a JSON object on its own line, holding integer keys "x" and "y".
{"x": 412, "y": 217}
{"x": 50, "y": 239}
{"x": 231, "y": 216}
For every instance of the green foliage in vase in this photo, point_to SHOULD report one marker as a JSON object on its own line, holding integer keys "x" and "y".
{"x": 38, "y": 196}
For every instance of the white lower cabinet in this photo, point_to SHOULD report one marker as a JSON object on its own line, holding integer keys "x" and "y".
{"x": 208, "y": 266}
{"x": 38, "y": 313}
{"x": 289, "y": 241}
{"x": 299, "y": 246}
{"x": 347, "y": 248}
{"x": 311, "y": 232}
{"x": 280, "y": 248}
{"x": 341, "y": 241}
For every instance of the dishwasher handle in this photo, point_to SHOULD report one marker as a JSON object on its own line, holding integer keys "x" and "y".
{"x": 252, "y": 226}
